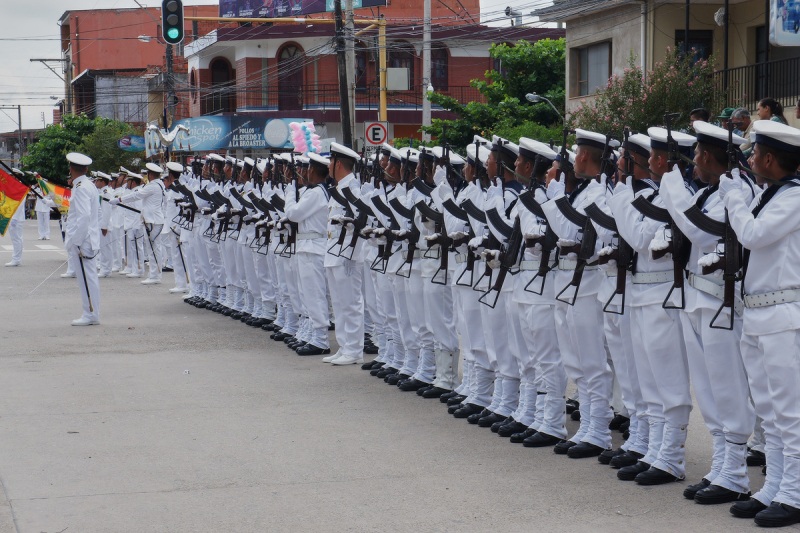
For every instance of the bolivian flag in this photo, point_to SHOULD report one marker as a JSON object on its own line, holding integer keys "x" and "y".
{"x": 12, "y": 194}
{"x": 61, "y": 195}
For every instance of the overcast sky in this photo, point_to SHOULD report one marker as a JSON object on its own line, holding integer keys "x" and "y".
{"x": 32, "y": 84}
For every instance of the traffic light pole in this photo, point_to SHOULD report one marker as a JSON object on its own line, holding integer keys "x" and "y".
{"x": 169, "y": 88}
{"x": 341, "y": 60}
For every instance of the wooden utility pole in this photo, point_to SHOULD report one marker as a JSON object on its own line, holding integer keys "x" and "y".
{"x": 341, "y": 60}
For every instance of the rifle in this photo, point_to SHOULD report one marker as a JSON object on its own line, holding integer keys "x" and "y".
{"x": 262, "y": 233}
{"x": 291, "y": 238}
{"x": 732, "y": 258}
{"x": 359, "y": 223}
{"x": 563, "y": 163}
{"x": 442, "y": 240}
{"x": 623, "y": 255}
{"x": 386, "y": 253}
{"x": 548, "y": 241}
{"x": 585, "y": 249}
{"x": 627, "y": 158}
{"x": 222, "y": 230}
{"x": 606, "y": 163}
{"x": 413, "y": 234}
{"x": 348, "y": 213}
{"x": 508, "y": 255}
{"x": 673, "y": 152}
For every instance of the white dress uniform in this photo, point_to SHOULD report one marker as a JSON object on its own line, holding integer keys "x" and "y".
{"x": 43, "y": 208}
{"x": 132, "y": 224}
{"x": 118, "y": 245}
{"x": 153, "y": 201}
{"x": 106, "y": 256}
{"x": 15, "y": 232}
{"x": 82, "y": 241}
{"x": 173, "y": 243}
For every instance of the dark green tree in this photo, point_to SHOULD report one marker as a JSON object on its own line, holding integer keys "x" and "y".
{"x": 102, "y": 145}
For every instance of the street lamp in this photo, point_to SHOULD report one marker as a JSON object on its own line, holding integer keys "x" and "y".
{"x": 145, "y": 38}
{"x": 535, "y": 99}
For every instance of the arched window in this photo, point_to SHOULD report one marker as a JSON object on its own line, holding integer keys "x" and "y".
{"x": 221, "y": 98}
{"x": 193, "y": 85}
{"x": 290, "y": 77}
{"x": 362, "y": 60}
{"x": 439, "y": 64}
{"x": 401, "y": 55}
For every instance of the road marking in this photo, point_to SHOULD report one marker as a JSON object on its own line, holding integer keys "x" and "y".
{"x": 7, "y": 247}
{"x": 47, "y": 247}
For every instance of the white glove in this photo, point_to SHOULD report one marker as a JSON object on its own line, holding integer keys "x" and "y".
{"x": 248, "y": 218}
{"x": 566, "y": 243}
{"x": 445, "y": 191}
{"x": 603, "y": 180}
{"x": 115, "y": 201}
{"x": 674, "y": 174}
{"x": 660, "y": 241}
{"x": 346, "y": 221}
{"x": 475, "y": 244}
{"x": 556, "y": 187}
{"x": 495, "y": 190}
{"x": 607, "y": 250}
{"x": 622, "y": 186}
{"x": 337, "y": 219}
{"x": 440, "y": 175}
{"x": 401, "y": 235}
{"x": 727, "y": 184}
{"x": 366, "y": 232}
{"x": 491, "y": 258}
{"x": 368, "y": 187}
{"x": 432, "y": 237}
{"x": 711, "y": 259}
{"x": 457, "y": 235}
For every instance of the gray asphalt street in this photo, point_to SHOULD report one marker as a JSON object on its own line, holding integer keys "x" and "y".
{"x": 167, "y": 418}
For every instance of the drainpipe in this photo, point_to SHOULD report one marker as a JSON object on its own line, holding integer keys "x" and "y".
{"x": 643, "y": 52}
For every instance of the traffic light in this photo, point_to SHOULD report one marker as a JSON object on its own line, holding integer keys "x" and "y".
{"x": 172, "y": 21}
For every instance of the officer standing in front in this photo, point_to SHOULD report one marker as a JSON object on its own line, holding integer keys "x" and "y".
{"x": 82, "y": 238}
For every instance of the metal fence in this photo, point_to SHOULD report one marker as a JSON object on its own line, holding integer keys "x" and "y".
{"x": 776, "y": 79}
{"x": 323, "y": 96}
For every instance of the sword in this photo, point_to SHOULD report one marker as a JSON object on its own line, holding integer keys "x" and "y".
{"x": 85, "y": 283}
{"x": 152, "y": 249}
{"x": 180, "y": 251}
{"x": 136, "y": 245}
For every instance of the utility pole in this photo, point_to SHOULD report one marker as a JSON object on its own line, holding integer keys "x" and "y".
{"x": 426, "y": 67}
{"x": 350, "y": 44}
{"x": 347, "y": 132}
{"x": 19, "y": 123}
{"x": 169, "y": 88}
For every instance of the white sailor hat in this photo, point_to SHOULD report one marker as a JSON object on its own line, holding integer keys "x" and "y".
{"x": 135, "y": 176}
{"x": 395, "y": 156}
{"x": 711, "y": 134}
{"x": 427, "y": 153}
{"x": 480, "y": 140}
{"x": 412, "y": 156}
{"x": 316, "y": 159}
{"x": 215, "y": 158}
{"x": 79, "y": 159}
{"x": 174, "y": 166}
{"x": 340, "y": 150}
{"x": 248, "y": 161}
{"x": 505, "y": 146}
{"x": 230, "y": 160}
{"x": 639, "y": 143}
{"x": 658, "y": 140}
{"x": 483, "y": 154}
{"x": 115, "y": 175}
{"x": 530, "y": 148}
{"x": 571, "y": 154}
{"x": 386, "y": 149}
{"x": 152, "y": 167}
{"x": 591, "y": 138}
{"x": 261, "y": 166}
{"x": 123, "y": 170}
{"x": 777, "y": 135}
{"x": 17, "y": 171}
{"x": 455, "y": 159}
{"x": 239, "y": 163}
{"x": 101, "y": 176}
{"x": 302, "y": 160}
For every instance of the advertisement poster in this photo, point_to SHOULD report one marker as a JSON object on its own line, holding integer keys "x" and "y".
{"x": 283, "y": 8}
{"x": 131, "y": 143}
{"x": 233, "y": 132}
{"x": 784, "y": 26}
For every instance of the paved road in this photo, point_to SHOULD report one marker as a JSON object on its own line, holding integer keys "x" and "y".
{"x": 103, "y": 429}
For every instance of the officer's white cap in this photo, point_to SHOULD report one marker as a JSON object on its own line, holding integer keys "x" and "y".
{"x": 215, "y": 157}
{"x": 174, "y": 166}
{"x": 592, "y": 138}
{"x": 79, "y": 159}
{"x": 318, "y": 159}
{"x": 152, "y": 167}
{"x": 340, "y": 150}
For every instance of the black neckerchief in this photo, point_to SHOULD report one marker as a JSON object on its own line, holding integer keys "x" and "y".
{"x": 578, "y": 190}
{"x": 707, "y": 191}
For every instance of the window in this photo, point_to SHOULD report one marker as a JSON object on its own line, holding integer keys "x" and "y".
{"x": 290, "y": 78}
{"x": 402, "y": 55}
{"x": 701, "y": 40}
{"x": 362, "y": 56}
{"x": 594, "y": 67}
{"x": 439, "y": 69}
{"x": 193, "y": 85}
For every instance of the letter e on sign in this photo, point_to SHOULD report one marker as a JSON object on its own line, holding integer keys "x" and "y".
{"x": 376, "y": 132}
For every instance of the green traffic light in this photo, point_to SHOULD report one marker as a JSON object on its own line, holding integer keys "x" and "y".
{"x": 173, "y": 33}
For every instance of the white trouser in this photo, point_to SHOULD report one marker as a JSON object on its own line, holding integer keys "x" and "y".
{"x": 266, "y": 274}
{"x": 526, "y": 389}
{"x": 292, "y": 272}
{"x": 105, "y": 257}
{"x": 420, "y": 357}
{"x": 344, "y": 282}
{"x": 386, "y": 310}
{"x": 620, "y": 346}
{"x": 754, "y": 350}
{"x": 154, "y": 249}
{"x": 15, "y": 232}
{"x": 495, "y": 324}
{"x": 723, "y": 396}
{"x": 177, "y": 257}
{"x": 43, "y": 219}
{"x": 135, "y": 250}
{"x": 541, "y": 340}
{"x": 482, "y": 379}
{"x": 117, "y": 247}
{"x": 403, "y": 336}
{"x": 657, "y": 333}
{"x": 376, "y": 321}
{"x": 250, "y": 274}
{"x": 312, "y": 287}
{"x": 87, "y": 277}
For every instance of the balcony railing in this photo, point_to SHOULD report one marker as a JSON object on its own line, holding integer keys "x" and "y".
{"x": 323, "y": 97}
{"x": 749, "y": 84}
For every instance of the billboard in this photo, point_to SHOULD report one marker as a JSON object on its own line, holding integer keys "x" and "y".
{"x": 284, "y": 8}
{"x": 232, "y": 132}
{"x": 784, "y": 23}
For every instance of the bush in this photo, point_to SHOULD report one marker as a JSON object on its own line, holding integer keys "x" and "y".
{"x": 676, "y": 85}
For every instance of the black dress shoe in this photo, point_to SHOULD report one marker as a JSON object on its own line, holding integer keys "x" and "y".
{"x": 629, "y": 473}
{"x": 714, "y": 494}
{"x": 236, "y": 315}
{"x": 655, "y": 476}
{"x": 778, "y": 515}
{"x": 756, "y": 458}
{"x": 563, "y": 446}
{"x": 412, "y": 385}
{"x": 628, "y": 458}
{"x": 545, "y": 440}
{"x": 455, "y": 400}
{"x": 748, "y": 509}
{"x": 167, "y": 269}
{"x": 370, "y": 349}
{"x": 506, "y": 430}
{"x": 310, "y": 349}
{"x": 267, "y": 326}
{"x": 624, "y": 428}
{"x": 422, "y": 390}
{"x": 367, "y": 365}
{"x": 385, "y": 372}
{"x": 279, "y": 336}
{"x": 495, "y": 427}
{"x": 519, "y": 438}
{"x": 297, "y": 345}
{"x": 467, "y": 410}
{"x": 617, "y": 421}
{"x": 605, "y": 457}
{"x": 289, "y": 338}
{"x": 395, "y": 378}
{"x": 245, "y": 317}
{"x": 258, "y": 322}
{"x": 249, "y": 321}
{"x": 444, "y": 397}
{"x": 473, "y": 419}
{"x": 691, "y": 490}
{"x": 227, "y": 311}
{"x": 487, "y": 421}
{"x": 434, "y": 392}
{"x": 572, "y": 406}
{"x": 576, "y": 415}
{"x": 583, "y": 450}
{"x": 626, "y": 434}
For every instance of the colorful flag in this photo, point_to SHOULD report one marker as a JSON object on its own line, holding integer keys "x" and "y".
{"x": 61, "y": 195}
{"x": 12, "y": 194}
